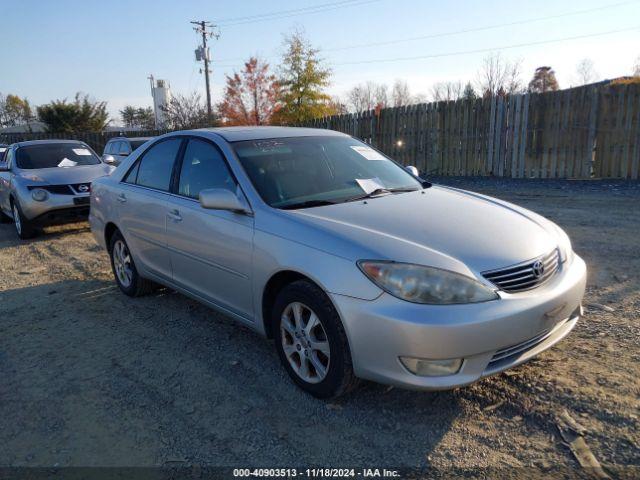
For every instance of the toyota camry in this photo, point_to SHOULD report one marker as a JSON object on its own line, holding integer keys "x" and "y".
{"x": 356, "y": 267}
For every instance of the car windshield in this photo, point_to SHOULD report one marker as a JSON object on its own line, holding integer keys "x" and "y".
{"x": 302, "y": 172}
{"x": 136, "y": 143}
{"x": 55, "y": 155}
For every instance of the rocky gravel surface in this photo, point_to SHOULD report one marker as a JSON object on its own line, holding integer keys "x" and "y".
{"x": 89, "y": 377}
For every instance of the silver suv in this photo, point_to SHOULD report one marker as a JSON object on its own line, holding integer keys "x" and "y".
{"x": 119, "y": 148}
{"x": 47, "y": 182}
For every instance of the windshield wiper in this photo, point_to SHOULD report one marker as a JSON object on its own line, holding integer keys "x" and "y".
{"x": 380, "y": 191}
{"x": 307, "y": 204}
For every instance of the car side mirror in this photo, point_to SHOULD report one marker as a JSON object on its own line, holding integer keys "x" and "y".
{"x": 222, "y": 199}
{"x": 412, "y": 170}
{"x": 109, "y": 159}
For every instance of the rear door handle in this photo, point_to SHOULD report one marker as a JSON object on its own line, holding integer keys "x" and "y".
{"x": 121, "y": 198}
{"x": 174, "y": 215}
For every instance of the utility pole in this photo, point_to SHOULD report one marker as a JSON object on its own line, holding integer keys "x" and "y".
{"x": 206, "y": 29}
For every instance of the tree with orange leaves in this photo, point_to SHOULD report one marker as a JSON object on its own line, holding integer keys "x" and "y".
{"x": 251, "y": 96}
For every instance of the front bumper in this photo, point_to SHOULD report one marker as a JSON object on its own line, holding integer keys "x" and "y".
{"x": 490, "y": 336}
{"x": 56, "y": 209}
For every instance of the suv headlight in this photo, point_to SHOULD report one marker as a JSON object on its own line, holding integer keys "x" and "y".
{"x": 39, "y": 194}
{"x": 429, "y": 285}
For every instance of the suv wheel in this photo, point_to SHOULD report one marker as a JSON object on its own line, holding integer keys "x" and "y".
{"x": 124, "y": 269}
{"x": 311, "y": 341}
{"x": 24, "y": 228}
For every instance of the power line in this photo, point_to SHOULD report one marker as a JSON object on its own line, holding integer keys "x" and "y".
{"x": 280, "y": 12}
{"x": 479, "y": 29}
{"x": 309, "y": 10}
{"x": 484, "y": 50}
{"x": 457, "y": 32}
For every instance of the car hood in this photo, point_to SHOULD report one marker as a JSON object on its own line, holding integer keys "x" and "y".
{"x": 437, "y": 226}
{"x": 66, "y": 175}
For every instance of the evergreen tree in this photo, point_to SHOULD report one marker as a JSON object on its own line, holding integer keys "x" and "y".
{"x": 303, "y": 81}
{"x": 544, "y": 80}
{"x": 469, "y": 93}
{"x": 81, "y": 115}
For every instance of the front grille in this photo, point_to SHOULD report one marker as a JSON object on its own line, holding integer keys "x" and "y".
{"x": 57, "y": 189}
{"x": 80, "y": 188}
{"x": 526, "y": 275}
{"x": 507, "y": 355}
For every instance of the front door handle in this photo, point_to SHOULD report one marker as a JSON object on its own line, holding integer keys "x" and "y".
{"x": 121, "y": 198}
{"x": 174, "y": 215}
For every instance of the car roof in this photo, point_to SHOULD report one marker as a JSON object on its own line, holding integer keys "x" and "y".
{"x": 137, "y": 139}
{"x": 238, "y": 134}
{"x": 45, "y": 142}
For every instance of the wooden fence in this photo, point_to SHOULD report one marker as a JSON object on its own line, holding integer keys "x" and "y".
{"x": 95, "y": 140}
{"x": 591, "y": 131}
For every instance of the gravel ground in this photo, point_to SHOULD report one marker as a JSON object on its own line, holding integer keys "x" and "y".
{"x": 89, "y": 377}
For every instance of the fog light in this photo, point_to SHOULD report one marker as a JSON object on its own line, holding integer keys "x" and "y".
{"x": 39, "y": 195}
{"x": 431, "y": 368}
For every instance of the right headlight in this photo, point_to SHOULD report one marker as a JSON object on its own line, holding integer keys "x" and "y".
{"x": 428, "y": 285}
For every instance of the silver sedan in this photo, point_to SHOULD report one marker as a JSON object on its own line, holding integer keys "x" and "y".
{"x": 356, "y": 267}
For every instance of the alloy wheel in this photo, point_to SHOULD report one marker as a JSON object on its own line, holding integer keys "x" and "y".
{"x": 122, "y": 263}
{"x": 16, "y": 219}
{"x": 305, "y": 342}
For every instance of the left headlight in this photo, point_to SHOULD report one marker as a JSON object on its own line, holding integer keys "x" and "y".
{"x": 39, "y": 194}
{"x": 429, "y": 285}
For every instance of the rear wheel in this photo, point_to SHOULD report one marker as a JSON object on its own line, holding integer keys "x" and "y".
{"x": 311, "y": 341}
{"x": 24, "y": 228}
{"x": 124, "y": 269}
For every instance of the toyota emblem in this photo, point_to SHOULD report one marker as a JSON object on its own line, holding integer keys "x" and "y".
{"x": 538, "y": 269}
{"x": 83, "y": 188}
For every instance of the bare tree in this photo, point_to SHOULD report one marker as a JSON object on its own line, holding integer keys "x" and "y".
{"x": 186, "y": 111}
{"x": 585, "y": 72}
{"x": 420, "y": 98}
{"x": 446, "y": 91}
{"x": 338, "y": 107}
{"x": 367, "y": 96}
{"x": 400, "y": 94}
{"x": 498, "y": 76}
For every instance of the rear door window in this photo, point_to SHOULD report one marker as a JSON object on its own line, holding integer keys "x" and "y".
{"x": 156, "y": 166}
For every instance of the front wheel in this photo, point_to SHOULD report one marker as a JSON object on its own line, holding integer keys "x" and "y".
{"x": 24, "y": 229}
{"x": 311, "y": 341}
{"x": 124, "y": 269}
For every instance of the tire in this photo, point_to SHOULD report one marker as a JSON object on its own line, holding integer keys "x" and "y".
{"x": 124, "y": 269}
{"x": 4, "y": 218}
{"x": 24, "y": 228}
{"x": 300, "y": 354}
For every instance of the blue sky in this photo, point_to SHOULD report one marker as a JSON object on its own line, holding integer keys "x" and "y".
{"x": 51, "y": 49}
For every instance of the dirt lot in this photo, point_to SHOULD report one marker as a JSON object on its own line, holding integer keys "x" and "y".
{"x": 91, "y": 377}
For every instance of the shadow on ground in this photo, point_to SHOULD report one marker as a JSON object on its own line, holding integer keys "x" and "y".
{"x": 95, "y": 377}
